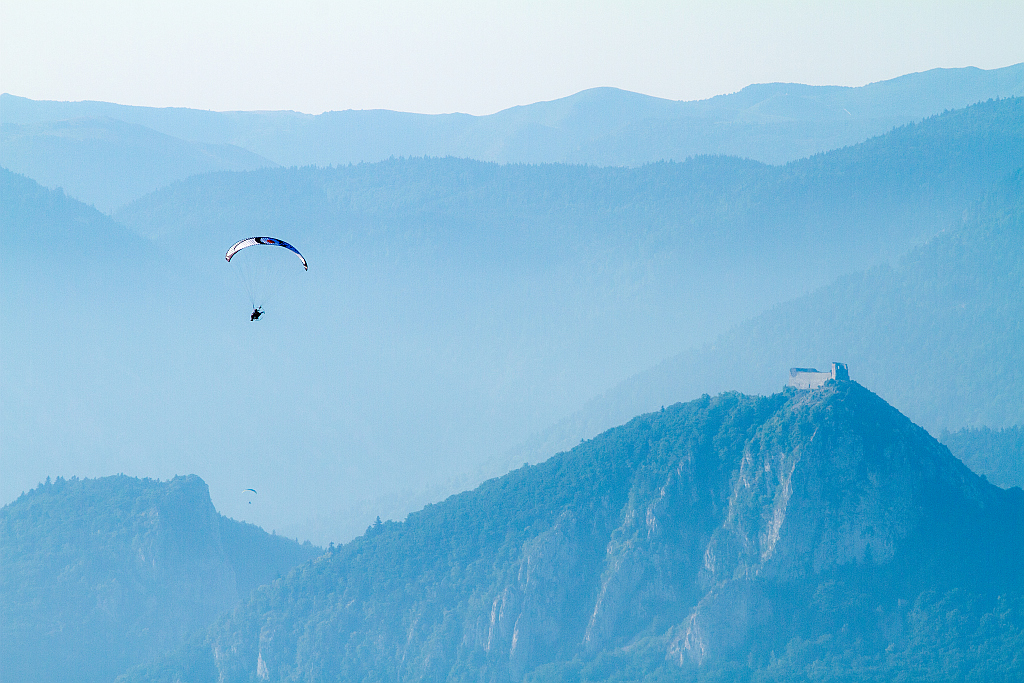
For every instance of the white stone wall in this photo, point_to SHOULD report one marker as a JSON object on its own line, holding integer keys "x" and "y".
{"x": 809, "y": 380}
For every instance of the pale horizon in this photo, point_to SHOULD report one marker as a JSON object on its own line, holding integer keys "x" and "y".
{"x": 513, "y": 106}
{"x": 458, "y": 57}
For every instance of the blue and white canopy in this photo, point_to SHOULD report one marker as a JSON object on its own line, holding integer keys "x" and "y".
{"x": 266, "y": 241}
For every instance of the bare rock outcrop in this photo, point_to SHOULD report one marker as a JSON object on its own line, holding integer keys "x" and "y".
{"x": 837, "y": 479}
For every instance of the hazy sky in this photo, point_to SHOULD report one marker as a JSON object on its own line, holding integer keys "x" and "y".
{"x": 475, "y": 56}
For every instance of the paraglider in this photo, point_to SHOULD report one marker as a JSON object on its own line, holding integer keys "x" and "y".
{"x": 262, "y": 272}
{"x": 254, "y": 493}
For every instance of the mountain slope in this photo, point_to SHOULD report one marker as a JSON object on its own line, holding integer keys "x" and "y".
{"x": 109, "y": 163}
{"x": 101, "y": 574}
{"x": 706, "y": 536}
{"x": 998, "y": 453}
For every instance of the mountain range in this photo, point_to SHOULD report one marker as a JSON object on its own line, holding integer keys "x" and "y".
{"x": 107, "y": 154}
{"x": 455, "y": 306}
{"x": 803, "y": 535}
{"x": 477, "y": 303}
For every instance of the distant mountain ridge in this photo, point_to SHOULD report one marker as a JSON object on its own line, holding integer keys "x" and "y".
{"x": 749, "y": 538}
{"x": 102, "y": 574}
{"x": 773, "y": 123}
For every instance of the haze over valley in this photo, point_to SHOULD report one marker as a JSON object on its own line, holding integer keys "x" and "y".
{"x": 525, "y": 415}
{"x": 453, "y": 309}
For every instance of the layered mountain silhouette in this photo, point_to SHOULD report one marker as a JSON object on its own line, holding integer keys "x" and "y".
{"x": 736, "y": 536}
{"x": 454, "y": 307}
{"x": 938, "y": 332}
{"x": 772, "y": 123}
{"x": 104, "y": 161}
{"x": 102, "y": 574}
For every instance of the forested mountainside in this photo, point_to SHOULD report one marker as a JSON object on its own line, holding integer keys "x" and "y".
{"x": 939, "y": 334}
{"x": 39, "y": 222}
{"x": 998, "y": 453}
{"x": 804, "y": 534}
{"x": 97, "y": 575}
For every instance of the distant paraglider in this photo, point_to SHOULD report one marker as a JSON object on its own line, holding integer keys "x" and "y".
{"x": 262, "y": 272}
{"x": 254, "y": 493}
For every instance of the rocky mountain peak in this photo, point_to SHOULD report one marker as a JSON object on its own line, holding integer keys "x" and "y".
{"x": 835, "y": 480}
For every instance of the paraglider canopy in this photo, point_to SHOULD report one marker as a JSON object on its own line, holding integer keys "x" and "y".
{"x": 266, "y": 241}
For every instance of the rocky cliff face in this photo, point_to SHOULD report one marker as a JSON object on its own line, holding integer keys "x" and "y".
{"x": 715, "y": 530}
{"x": 837, "y": 480}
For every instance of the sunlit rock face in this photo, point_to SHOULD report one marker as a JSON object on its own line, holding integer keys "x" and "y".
{"x": 838, "y": 479}
{"x": 711, "y": 531}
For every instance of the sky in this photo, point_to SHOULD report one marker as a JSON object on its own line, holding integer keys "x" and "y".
{"x": 476, "y": 56}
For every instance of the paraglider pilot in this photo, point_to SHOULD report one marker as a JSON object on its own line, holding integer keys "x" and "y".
{"x": 256, "y": 313}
